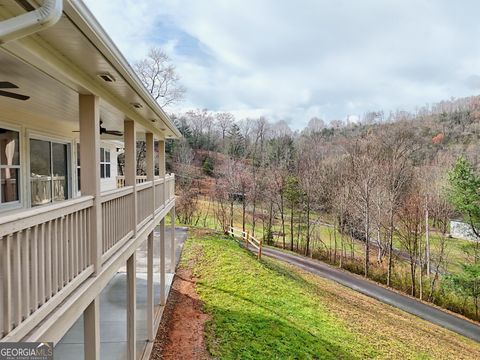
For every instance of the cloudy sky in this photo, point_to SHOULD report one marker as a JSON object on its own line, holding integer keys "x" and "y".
{"x": 297, "y": 59}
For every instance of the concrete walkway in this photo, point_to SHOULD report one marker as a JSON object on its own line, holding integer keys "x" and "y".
{"x": 113, "y": 307}
{"x": 405, "y": 303}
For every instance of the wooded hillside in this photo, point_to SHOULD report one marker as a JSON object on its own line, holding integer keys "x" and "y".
{"x": 376, "y": 183}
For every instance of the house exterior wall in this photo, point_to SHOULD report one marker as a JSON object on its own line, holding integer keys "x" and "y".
{"x": 110, "y": 183}
{"x": 461, "y": 230}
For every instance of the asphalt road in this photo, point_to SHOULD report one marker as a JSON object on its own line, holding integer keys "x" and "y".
{"x": 369, "y": 288}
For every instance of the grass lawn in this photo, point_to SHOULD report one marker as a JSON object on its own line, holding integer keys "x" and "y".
{"x": 269, "y": 310}
{"x": 453, "y": 251}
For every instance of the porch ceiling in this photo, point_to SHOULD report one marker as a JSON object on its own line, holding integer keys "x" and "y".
{"x": 51, "y": 103}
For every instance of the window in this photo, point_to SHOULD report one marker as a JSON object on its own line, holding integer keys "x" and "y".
{"x": 104, "y": 163}
{"x": 9, "y": 166}
{"x": 49, "y": 180}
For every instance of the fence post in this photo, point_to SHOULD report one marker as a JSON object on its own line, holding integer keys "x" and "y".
{"x": 260, "y": 249}
{"x": 246, "y": 239}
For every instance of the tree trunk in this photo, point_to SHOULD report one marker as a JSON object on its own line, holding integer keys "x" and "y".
{"x": 412, "y": 273}
{"x": 390, "y": 247}
{"x": 308, "y": 227}
{"x": 342, "y": 247}
{"x": 476, "y": 307}
{"x": 283, "y": 220}
{"x": 244, "y": 206}
{"x": 352, "y": 248}
{"x": 379, "y": 235}
{"x": 335, "y": 242}
{"x": 299, "y": 231}
{"x": 427, "y": 241}
{"x": 329, "y": 250}
{"x": 379, "y": 242}
{"x": 270, "y": 221}
{"x": 253, "y": 214}
{"x": 367, "y": 241}
{"x": 421, "y": 281}
{"x": 291, "y": 229}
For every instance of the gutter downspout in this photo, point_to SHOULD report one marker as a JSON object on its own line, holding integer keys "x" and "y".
{"x": 26, "y": 24}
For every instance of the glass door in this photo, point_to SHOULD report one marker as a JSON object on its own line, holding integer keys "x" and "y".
{"x": 49, "y": 179}
{"x": 9, "y": 166}
{"x": 60, "y": 171}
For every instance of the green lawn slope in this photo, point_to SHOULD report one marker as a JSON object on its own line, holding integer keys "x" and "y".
{"x": 269, "y": 310}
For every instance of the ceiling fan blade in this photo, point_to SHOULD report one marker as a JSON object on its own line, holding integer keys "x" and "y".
{"x": 113, "y": 132}
{"x": 7, "y": 85}
{"x": 14, "y": 96}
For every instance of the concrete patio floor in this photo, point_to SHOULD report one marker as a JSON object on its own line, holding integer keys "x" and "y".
{"x": 113, "y": 307}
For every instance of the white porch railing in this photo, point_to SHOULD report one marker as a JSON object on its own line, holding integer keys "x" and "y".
{"x": 170, "y": 186}
{"x": 45, "y": 251}
{"x": 159, "y": 192}
{"x": 117, "y": 216}
{"x": 145, "y": 201}
{"x": 121, "y": 180}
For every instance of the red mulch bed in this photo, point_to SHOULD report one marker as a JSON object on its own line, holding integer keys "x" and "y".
{"x": 181, "y": 332}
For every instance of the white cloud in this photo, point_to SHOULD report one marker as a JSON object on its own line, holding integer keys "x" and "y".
{"x": 298, "y": 59}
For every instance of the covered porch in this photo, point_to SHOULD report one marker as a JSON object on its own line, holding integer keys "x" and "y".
{"x": 66, "y": 227}
{"x": 113, "y": 305}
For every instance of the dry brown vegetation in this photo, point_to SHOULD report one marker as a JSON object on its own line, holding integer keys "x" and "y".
{"x": 382, "y": 324}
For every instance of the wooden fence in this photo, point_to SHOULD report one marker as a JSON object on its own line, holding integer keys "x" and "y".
{"x": 246, "y": 239}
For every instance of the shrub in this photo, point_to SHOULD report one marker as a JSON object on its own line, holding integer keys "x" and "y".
{"x": 208, "y": 166}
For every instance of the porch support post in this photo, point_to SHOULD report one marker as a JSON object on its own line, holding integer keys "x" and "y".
{"x": 172, "y": 241}
{"x": 161, "y": 168}
{"x": 151, "y": 165}
{"x": 162, "y": 262}
{"x": 91, "y": 330}
{"x": 131, "y": 165}
{"x": 89, "y": 116}
{"x": 150, "y": 299}
{"x": 131, "y": 308}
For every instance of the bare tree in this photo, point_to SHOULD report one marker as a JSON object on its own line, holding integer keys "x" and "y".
{"x": 363, "y": 176}
{"x": 260, "y": 129}
{"x": 410, "y": 231}
{"x": 224, "y": 121}
{"x": 160, "y": 77}
{"x": 395, "y": 166}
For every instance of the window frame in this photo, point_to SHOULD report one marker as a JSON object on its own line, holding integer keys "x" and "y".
{"x": 51, "y": 139}
{"x": 104, "y": 163}
{"x": 13, "y": 205}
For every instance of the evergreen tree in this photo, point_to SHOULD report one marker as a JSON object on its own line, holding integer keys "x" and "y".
{"x": 236, "y": 148}
{"x": 464, "y": 193}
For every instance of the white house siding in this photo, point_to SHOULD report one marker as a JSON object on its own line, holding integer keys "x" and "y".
{"x": 111, "y": 182}
{"x": 461, "y": 230}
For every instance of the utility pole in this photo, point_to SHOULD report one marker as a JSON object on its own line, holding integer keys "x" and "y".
{"x": 427, "y": 236}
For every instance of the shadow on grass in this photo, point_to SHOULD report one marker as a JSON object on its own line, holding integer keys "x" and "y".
{"x": 234, "y": 334}
{"x": 246, "y": 325}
